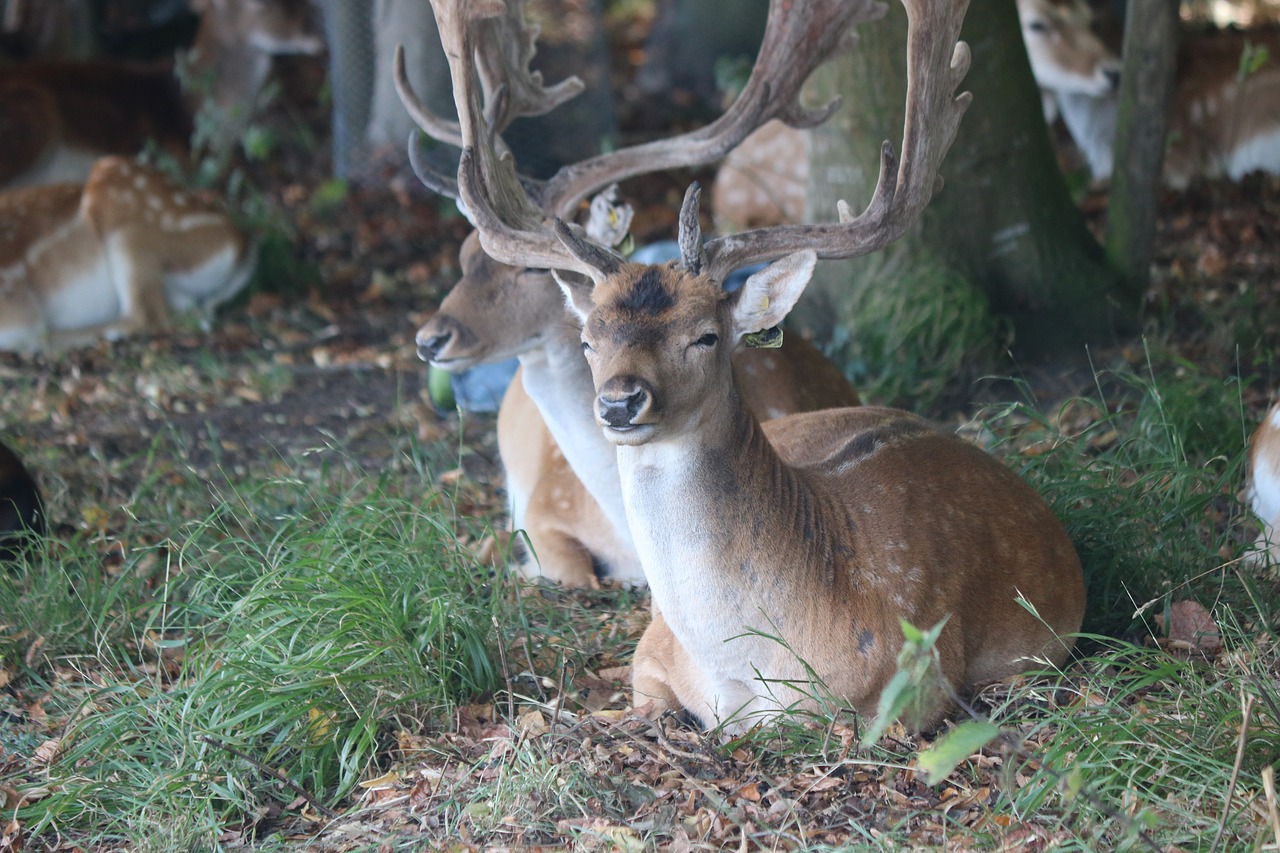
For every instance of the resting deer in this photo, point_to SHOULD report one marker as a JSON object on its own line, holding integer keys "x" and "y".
{"x": 1224, "y": 116}
{"x": 786, "y": 553}
{"x": 58, "y": 117}
{"x": 21, "y": 510}
{"x": 497, "y": 311}
{"x": 1264, "y": 482}
{"x": 114, "y": 257}
{"x": 764, "y": 181}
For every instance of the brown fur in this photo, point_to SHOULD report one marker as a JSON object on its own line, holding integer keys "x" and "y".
{"x": 115, "y": 257}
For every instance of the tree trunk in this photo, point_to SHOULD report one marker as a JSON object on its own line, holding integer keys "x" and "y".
{"x": 571, "y": 42}
{"x": 1004, "y": 220}
{"x": 1150, "y": 53}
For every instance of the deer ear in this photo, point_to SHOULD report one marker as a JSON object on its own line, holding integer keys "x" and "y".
{"x": 770, "y": 294}
{"x": 577, "y": 294}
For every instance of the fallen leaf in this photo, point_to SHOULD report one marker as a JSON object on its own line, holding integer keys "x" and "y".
{"x": 1191, "y": 628}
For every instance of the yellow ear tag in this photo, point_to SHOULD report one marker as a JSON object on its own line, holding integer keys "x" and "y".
{"x": 770, "y": 338}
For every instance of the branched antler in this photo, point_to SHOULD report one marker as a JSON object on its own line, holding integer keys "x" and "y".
{"x": 936, "y": 64}
{"x": 515, "y": 221}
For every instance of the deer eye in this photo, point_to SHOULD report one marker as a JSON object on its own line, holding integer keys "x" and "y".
{"x": 710, "y": 339}
{"x": 586, "y": 348}
{"x": 1038, "y": 26}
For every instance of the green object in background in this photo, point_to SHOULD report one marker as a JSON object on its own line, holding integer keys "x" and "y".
{"x": 440, "y": 389}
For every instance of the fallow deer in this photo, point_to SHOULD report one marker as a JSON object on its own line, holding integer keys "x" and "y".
{"x": 497, "y": 311}
{"x": 1224, "y": 115}
{"x": 58, "y": 117}
{"x": 782, "y": 556}
{"x": 1264, "y": 482}
{"x": 21, "y": 510}
{"x": 114, "y": 257}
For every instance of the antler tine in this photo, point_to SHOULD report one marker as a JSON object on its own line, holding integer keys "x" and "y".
{"x": 506, "y": 46}
{"x": 936, "y": 64}
{"x": 799, "y": 36}
{"x": 513, "y": 229}
{"x": 437, "y": 128}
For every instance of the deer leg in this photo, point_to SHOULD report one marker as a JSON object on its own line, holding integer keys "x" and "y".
{"x": 139, "y": 282}
{"x": 557, "y": 554}
{"x": 651, "y": 670}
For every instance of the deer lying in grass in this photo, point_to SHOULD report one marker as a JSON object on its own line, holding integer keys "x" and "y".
{"x": 497, "y": 311}
{"x": 21, "y": 510}
{"x": 783, "y": 555}
{"x": 116, "y": 256}
{"x": 1264, "y": 482}
{"x": 58, "y": 117}
{"x": 1224, "y": 117}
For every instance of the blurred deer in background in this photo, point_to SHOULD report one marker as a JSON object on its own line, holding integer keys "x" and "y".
{"x": 497, "y": 311}
{"x": 1264, "y": 483}
{"x": 1224, "y": 117}
{"x": 782, "y": 556}
{"x": 116, "y": 256}
{"x": 58, "y": 117}
{"x": 21, "y": 510}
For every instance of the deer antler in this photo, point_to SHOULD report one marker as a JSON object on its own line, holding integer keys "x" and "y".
{"x": 515, "y": 221}
{"x": 504, "y": 47}
{"x": 936, "y": 64}
{"x": 798, "y": 38}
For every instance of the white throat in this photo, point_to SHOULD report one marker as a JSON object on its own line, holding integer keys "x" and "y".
{"x": 558, "y": 380}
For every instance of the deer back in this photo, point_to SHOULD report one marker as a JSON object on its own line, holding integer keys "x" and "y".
{"x": 112, "y": 257}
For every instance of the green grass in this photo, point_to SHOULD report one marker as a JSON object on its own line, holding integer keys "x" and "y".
{"x": 1144, "y": 477}
{"x": 913, "y": 338}
{"x": 298, "y": 625}
{"x": 196, "y": 635}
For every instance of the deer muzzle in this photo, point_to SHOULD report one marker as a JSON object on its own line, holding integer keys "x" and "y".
{"x": 623, "y": 404}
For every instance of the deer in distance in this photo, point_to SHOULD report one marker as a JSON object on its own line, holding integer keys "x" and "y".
{"x": 116, "y": 256}
{"x": 782, "y": 556}
{"x": 58, "y": 117}
{"x": 1224, "y": 115}
{"x": 562, "y": 481}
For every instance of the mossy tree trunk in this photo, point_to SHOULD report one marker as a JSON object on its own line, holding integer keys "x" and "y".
{"x": 1004, "y": 220}
{"x": 1150, "y": 52}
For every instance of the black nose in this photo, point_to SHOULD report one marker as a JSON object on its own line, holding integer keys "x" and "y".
{"x": 430, "y": 347}
{"x": 621, "y": 409}
{"x": 1113, "y": 77}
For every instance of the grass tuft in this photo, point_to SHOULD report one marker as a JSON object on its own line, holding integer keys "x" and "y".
{"x": 914, "y": 338}
{"x": 308, "y": 633}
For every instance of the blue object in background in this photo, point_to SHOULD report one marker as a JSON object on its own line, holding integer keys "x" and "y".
{"x": 480, "y": 389}
{"x": 669, "y": 250}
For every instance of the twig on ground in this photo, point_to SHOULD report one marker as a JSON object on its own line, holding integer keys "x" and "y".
{"x": 1246, "y": 703}
{"x": 273, "y": 773}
